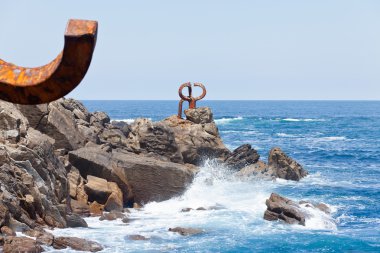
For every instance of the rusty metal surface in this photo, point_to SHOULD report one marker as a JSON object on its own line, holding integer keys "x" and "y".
{"x": 192, "y": 100}
{"x": 47, "y": 83}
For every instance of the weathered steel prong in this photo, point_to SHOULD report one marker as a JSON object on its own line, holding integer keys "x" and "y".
{"x": 47, "y": 83}
{"x": 203, "y": 92}
{"x": 180, "y": 108}
{"x": 188, "y": 85}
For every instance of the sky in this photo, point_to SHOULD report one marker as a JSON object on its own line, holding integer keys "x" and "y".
{"x": 251, "y": 50}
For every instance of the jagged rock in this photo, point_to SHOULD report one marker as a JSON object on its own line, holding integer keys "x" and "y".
{"x": 21, "y": 244}
{"x": 33, "y": 181}
{"x": 280, "y": 208}
{"x": 101, "y": 117}
{"x": 75, "y": 221}
{"x": 115, "y": 200}
{"x": 115, "y": 137}
{"x": 154, "y": 138}
{"x": 258, "y": 169}
{"x": 186, "y": 231}
{"x": 197, "y": 141}
{"x": 152, "y": 180}
{"x": 285, "y": 167}
{"x": 97, "y": 189}
{"x": 80, "y": 207}
{"x": 96, "y": 209}
{"x": 96, "y": 162}
{"x": 200, "y": 115}
{"x": 242, "y": 156}
{"x": 56, "y": 120}
{"x": 123, "y": 126}
{"x": 42, "y": 237}
{"x": 76, "y": 185}
{"x": 7, "y": 231}
{"x": 76, "y": 244}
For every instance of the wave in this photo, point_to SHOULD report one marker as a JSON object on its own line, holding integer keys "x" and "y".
{"x": 300, "y": 120}
{"x": 286, "y": 135}
{"x": 332, "y": 138}
{"x": 227, "y": 120}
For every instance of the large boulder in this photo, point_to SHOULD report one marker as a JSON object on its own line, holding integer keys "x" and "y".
{"x": 197, "y": 141}
{"x": 201, "y": 115}
{"x": 21, "y": 244}
{"x": 242, "y": 156}
{"x": 76, "y": 244}
{"x": 283, "y": 166}
{"x": 281, "y": 208}
{"x": 150, "y": 179}
{"x": 155, "y": 139}
{"x": 59, "y": 121}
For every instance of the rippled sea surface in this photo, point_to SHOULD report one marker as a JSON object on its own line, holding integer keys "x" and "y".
{"x": 338, "y": 143}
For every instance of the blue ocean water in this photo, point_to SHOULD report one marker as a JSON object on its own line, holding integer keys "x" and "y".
{"x": 337, "y": 141}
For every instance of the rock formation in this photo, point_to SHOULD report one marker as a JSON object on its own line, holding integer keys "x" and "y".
{"x": 59, "y": 162}
{"x": 197, "y": 141}
{"x": 279, "y": 166}
{"x": 291, "y": 212}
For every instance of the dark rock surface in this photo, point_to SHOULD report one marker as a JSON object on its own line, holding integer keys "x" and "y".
{"x": 284, "y": 166}
{"x": 75, "y": 221}
{"x": 241, "y": 157}
{"x": 281, "y": 208}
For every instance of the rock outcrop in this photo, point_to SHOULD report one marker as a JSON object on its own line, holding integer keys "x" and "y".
{"x": 197, "y": 141}
{"x": 279, "y": 166}
{"x": 285, "y": 167}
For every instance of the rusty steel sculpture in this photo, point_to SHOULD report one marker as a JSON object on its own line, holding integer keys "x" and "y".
{"x": 192, "y": 100}
{"x": 47, "y": 83}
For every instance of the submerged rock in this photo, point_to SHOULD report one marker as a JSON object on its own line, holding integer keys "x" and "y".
{"x": 186, "y": 231}
{"x": 137, "y": 238}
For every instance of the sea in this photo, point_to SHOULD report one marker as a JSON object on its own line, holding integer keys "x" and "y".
{"x": 338, "y": 142}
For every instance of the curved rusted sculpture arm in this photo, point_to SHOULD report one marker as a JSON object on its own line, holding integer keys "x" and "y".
{"x": 188, "y": 85}
{"x": 47, "y": 83}
{"x": 203, "y": 91}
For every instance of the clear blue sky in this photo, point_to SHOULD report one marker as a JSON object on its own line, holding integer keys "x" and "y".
{"x": 321, "y": 49}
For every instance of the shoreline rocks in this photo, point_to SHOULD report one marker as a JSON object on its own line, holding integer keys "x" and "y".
{"x": 60, "y": 162}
